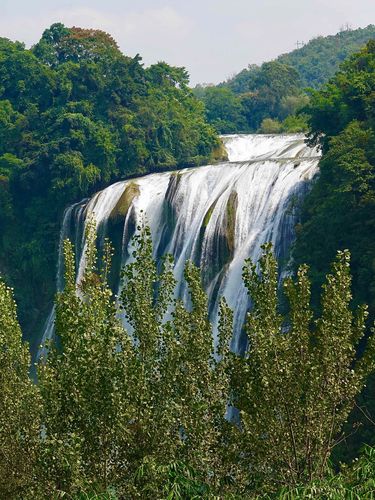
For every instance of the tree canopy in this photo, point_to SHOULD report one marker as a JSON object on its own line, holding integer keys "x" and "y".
{"x": 339, "y": 211}
{"x": 140, "y": 412}
{"x": 75, "y": 115}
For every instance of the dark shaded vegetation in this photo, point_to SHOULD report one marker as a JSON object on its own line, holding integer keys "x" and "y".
{"x": 340, "y": 210}
{"x": 75, "y": 115}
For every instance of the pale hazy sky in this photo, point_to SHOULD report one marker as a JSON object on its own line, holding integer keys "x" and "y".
{"x": 212, "y": 38}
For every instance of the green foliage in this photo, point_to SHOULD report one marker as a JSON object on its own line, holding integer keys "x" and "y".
{"x": 344, "y": 194}
{"x": 355, "y": 482}
{"x": 347, "y": 97}
{"x": 296, "y": 384}
{"x": 262, "y": 99}
{"x": 272, "y": 93}
{"x": 19, "y": 407}
{"x": 269, "y": 126}
{"x": 60, "y": 44}
{"x": 141, "y": 413}
{"x": 223, "y": 109}
{"x": 290, "y": 105}
{"x": 315, "y": 63}
{"x": 295, "y": 123}
{"x": 319, "y": 59}
{"x": 75, "y": 115}
{"x": 145, "y": 414}
{"x": 291, "y": 125}
{"x": 84, "y": 383}
{"x": 339, "y": 211}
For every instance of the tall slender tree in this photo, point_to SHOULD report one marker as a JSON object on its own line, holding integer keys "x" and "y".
{"x": 84, "y": 382}
{"x": 296, "y": 384}
{"x": 133, "y": 409}
{"x": 181, "y": 387}
{"x": 19, "y": 407}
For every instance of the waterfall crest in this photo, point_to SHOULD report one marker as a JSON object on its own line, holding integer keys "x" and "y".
{"x": 216, "y": 215}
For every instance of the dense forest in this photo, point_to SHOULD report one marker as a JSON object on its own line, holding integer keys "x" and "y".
{"x": 163, "y": 408}
{"x": 267, "y": 98}
{"x": 75, "y": 115}
{"x": 146, "y": 419}
{"x": 340, "y": 210}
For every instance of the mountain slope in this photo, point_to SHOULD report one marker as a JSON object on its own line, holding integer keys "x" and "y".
{"x": 267, "y": 98}
{"x": 316, "y": 62}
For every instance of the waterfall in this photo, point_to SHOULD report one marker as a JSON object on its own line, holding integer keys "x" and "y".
{"x": 216, "y": 216}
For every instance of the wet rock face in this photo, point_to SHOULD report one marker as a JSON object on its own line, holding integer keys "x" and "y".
{"x": 230, "y": 223}
{"x": 170, "y": 213}
{"x": 122, "y": 218}
{"x": 125, "y": 201}
{"x": 218, "y": 244}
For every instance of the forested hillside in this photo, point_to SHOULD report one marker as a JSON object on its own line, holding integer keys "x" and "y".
{"x": 340, "y": 210}
{"x": 266, "y": 98}
{"x": 75, "y": 115}
{"x": 315, "y": 62}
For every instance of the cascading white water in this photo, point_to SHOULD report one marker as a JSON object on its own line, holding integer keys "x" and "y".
{"x": 216, "y": 216}
{"x": 246, "y": 147}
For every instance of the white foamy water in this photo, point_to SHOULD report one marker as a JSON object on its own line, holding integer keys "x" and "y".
{"x": 242, "y": 147}
{"x": 216, "y": 215}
